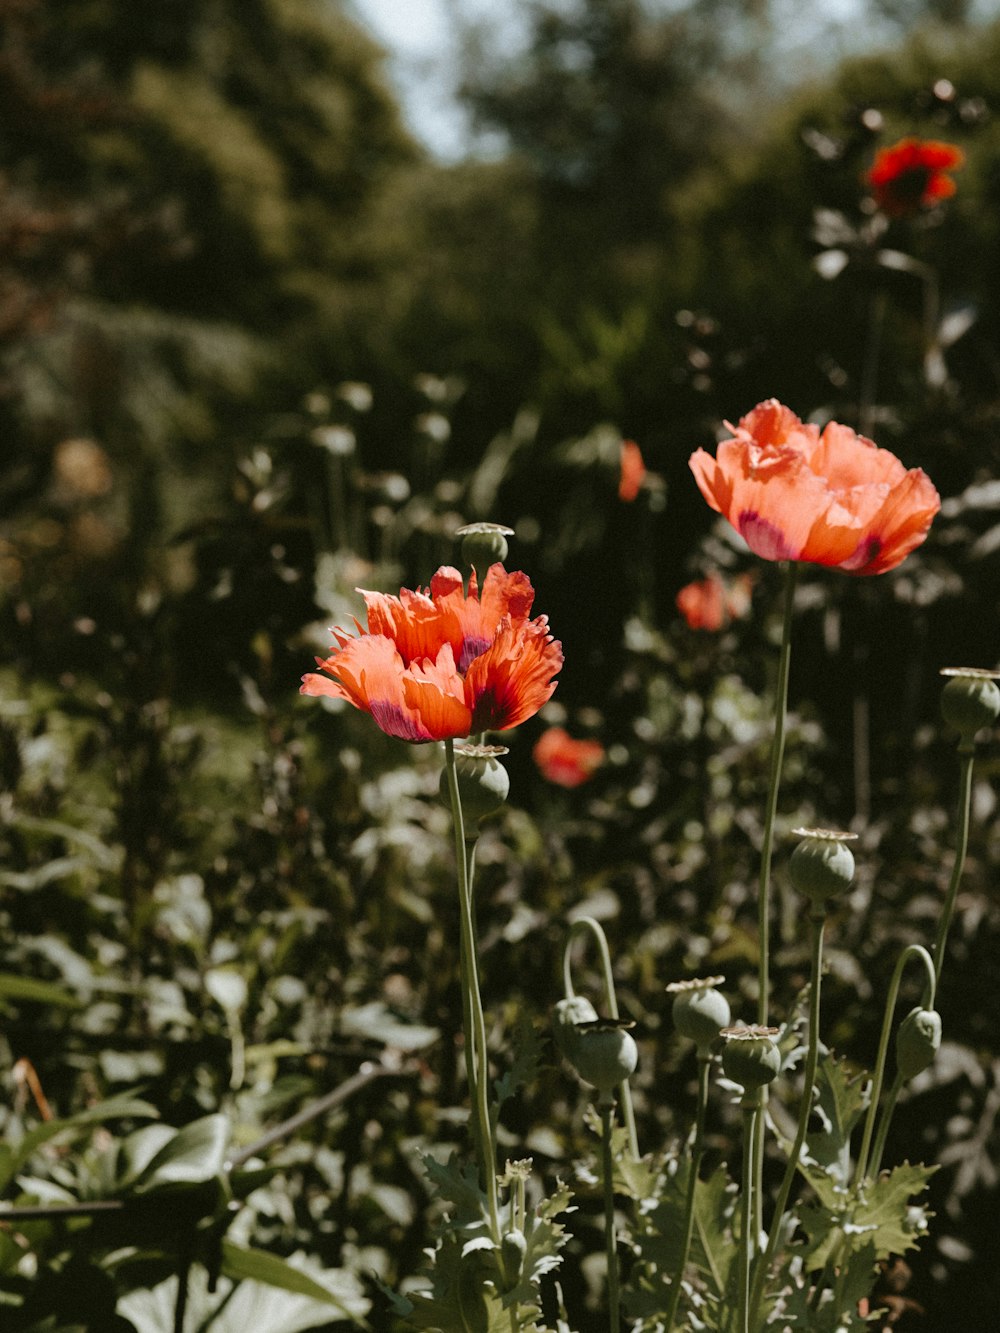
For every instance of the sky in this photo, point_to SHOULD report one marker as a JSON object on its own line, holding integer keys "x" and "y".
{"x": 420, "y": 38}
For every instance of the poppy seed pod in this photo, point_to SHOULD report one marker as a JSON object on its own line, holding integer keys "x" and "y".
{"x": 917, "y": 1042}
{"x": 483, "y": 783}
{"x": 484, "y": 544}
{"x": 970, "y": 699}
{"x": 604, "y": 1053}
{"x": 699, "y": 1011}
{"x": 750, "y": 1056}
{"x": 822, "y": 864}
{"x": 566, "y": 1017}
{"x": 513, "y": 1249}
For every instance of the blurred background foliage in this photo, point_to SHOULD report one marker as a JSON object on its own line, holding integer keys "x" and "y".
{"x": 257, "y": 348}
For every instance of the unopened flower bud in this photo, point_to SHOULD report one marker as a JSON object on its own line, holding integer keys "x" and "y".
{"x": 483, "y": 783}
{"x": 699, "y": 1011}
{"x": 917, "y": 1042}
{"x": 822, "y": 864}
{"x": 567, "y": 1015}
{"x": 970, "y": 700}
{"x": 483, "y": 544}
{"x": 604, "y": 1054}
{"x": 513, "y": 1249}
{"x": 750, "y": 1056}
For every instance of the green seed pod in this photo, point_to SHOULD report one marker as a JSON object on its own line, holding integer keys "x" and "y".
{"x": 604, "y": 1053}
{"x": 917, "y": 1041}
{"x": 483, "y": 544}
{"x": 822, "y": 864}
{"x": 970, "y": 700}
{"x": 483, "y": 783}
{"x": 567, "y": 1015}
{"x": 699, "y": 1011}
{"x": 750, "y": 1056}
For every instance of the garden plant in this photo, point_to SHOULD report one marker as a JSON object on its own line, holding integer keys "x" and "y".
{"x": 630, "y": 971}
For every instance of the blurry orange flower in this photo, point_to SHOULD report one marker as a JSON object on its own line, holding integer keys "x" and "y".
{"x": 442, "y": 664}
{"x": 633, "y": 471}
{"x": 911, "y": 175}
{"x": 709, "y": 603}
{"x": 831, "y": 499}
{"x": 564, "y": 761}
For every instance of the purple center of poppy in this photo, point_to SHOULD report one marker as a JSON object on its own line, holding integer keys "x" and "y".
{"x": 763, "y": 537}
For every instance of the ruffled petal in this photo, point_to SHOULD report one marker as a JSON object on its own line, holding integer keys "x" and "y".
{"x": 513, "y": 679}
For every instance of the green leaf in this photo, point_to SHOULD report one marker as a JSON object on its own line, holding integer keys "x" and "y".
{"x": 841, "y": 1101}
{"x": 528, "y": 1047}
{"x": 13, "y": 987}
{"x": 259, "y": 1266}
{"x": 888, "y": 1209}
{"x": 115, "y": 1108}
{"x": 377, "y": 1022}
{"x": 192, "y": 1156}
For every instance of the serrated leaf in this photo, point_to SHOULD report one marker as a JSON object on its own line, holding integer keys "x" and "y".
{"x": 528, "y": 1047}
{"x": 457, "y": 1183}
{"x": 841, "y": 1100}
{"x": 889, "y": 1209}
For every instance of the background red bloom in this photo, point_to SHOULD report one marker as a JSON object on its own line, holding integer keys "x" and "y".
{"x": 565, "y": 761}
{"x": 911, "y": 175}
{"x": 711, "y": 603}
{"x": 633, "y": 471}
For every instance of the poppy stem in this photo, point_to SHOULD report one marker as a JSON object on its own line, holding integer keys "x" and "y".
{"x": 911, "y": 951}
{"x": 752, "y": 1113}
{"x": 610, "y": 1238}
{"x": 964, "y": 809}
{"x": 472, "y": 1008}
{"x": 818, "y": 920}
{"x": 777, "y": 754}
{"x": 697, "y": 1148}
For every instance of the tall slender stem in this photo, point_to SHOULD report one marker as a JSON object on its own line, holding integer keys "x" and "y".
{"x": 774, "y": 778}
{"x": 751, "y": 1114}
{"x": 587, "y": 925}
{"x": 911, "y": 951}
{"x": 964, "y": 810}
{"x": 475, "y": 1035}
{"x": 818, "y": 921}
{"x": 697, "y": 1148}
{"x": 883, "y": 1128}
{"x": 610, "y": 1237}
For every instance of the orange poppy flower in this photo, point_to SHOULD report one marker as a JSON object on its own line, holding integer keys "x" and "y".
{"x": 831, "y": 499}
{"x": 709, "y": 603}
{"x": 564, "y": 761}
{"x": 633, "y": 471}
{"x": 442, "y": 664}
{"x": 911, "y": 175}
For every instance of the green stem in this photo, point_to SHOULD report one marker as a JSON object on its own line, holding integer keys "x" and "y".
{"x": 697, "y": 1149}
{"x": 587, "y": 925}
{"x": 475, "y": 1035}
{"x": 883, "y": 1128}
{"x": 751, "y": 1114}
{"x": 812, "y": 1061}
{"x": 964, "y": 810}
{"x": 911, "y": 951}
{"x": 610, "y": 1238}
{"x": 774, "y": 777}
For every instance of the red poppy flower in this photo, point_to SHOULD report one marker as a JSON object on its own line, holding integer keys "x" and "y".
{"x": 709, "y": 603}
{"x": 831, "y": 499}
{"x": 442, "y": 664}
{"x": 564, "y": 761}
{"x": 633, "y": 471}
{"x": 911, "y": 175}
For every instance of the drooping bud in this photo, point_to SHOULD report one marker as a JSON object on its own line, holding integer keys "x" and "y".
{"x": 700, "y": 1012}
{"x": 970, "y": 700}
{"x": 604, "y": 1054}
{"x": 822, "y": 865}
{"x": 483, "y": 544}
{"x": 917, "y": 1041}
{"x": 513, "y": 1250}
{"x": 483, "y": 783}
{"x": 750, "y": 1056}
